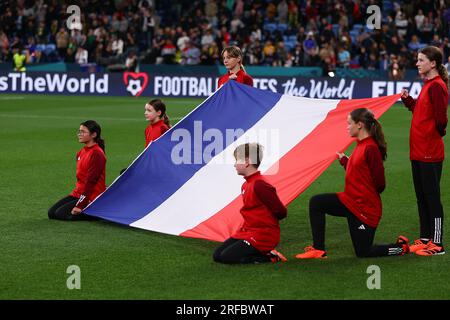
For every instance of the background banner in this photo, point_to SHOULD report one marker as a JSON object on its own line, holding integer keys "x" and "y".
{"x": 193, "y": 86}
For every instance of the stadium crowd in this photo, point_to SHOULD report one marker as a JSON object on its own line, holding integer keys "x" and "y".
{"x": 120, "y": 34}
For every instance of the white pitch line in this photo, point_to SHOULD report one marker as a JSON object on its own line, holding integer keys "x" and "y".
{"x": 118, "y": 100}
{"x": 33, "y": 116}
{"x": 12, "y": 98}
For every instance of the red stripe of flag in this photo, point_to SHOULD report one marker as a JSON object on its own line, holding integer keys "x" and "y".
{"x": 298, "y": 168}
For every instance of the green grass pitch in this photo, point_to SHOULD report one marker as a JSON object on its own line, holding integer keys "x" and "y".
{"x": 38, "y": 146}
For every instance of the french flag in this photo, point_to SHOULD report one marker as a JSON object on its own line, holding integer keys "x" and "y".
{"x": 185, "y": 184}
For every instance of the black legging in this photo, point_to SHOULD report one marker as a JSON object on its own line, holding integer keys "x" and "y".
{"x": 362, "y": 235}
{"x": 427, "y": 178}
{"x": 239, "y": 251}
{"x": 62, "y": 210}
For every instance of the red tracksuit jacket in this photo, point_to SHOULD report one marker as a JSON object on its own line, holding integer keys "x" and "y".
{"x": 364, "y": 181}
{"x": 154, "y": 131}
{"x": 91, "y": 164}
{"x": 242, "y": 77}
{"x": 261, "y": 211}
{"x": 429, "y": 121}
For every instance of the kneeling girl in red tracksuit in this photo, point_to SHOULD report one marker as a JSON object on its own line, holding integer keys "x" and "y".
{"x": 91, "y": 166}
{"x": 360, "y": 203}
{"x": 257, "y": 238}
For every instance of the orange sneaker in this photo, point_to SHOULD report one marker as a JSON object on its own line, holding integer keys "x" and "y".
{"x": 276, "y": 256}
{"x": 404, "y": 242}
{"x": 431, "y": 249}
{"x": 312, "y": 253}
{"x": 417, "y": 245}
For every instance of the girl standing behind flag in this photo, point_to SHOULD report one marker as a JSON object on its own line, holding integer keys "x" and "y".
{"x": 360, "y": 202}
{"x": 158, "y": 122}
{"x": 428, "y": 126}
{"x": 232, "y": 59}
{"x": 91, "y": 165}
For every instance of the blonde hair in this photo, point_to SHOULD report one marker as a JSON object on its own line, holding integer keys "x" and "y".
{"x": 234, "y": 52}
{"x": 252, "y": 151}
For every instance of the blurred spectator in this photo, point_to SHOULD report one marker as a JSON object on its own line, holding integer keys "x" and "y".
{"x": 282, "y": 10}
{"x": 182, "y": 41}
{"x": 396, "y": 70}
{"x": 269, "y": 54}
{"x": 236, "y": 24}
{"x": 192, "y": 54}
{"x": 131, "y": 62}
{"x": 414, "y": 45}
{"x": 282, "y": 54}
{"x": 207, "y": 38}
{"x": 343, "y": 57}
{"x": 214, "y": 53}
{"x": 447, "y": 65}
{"x": 205, "y": 58}
{"x": 292, "y": 13}
{"x": 426, "y": 30}
{"x": 168, "y": 52}
{"x": 62, "y": 41}
{"x": 119, "y": 23}
{"x": 70, "y": 54}
{"x": 394, "y": 45}
{"x": 116, "y": 45}
{"x": 328, "y": 57}
{"x": 81, "y": 57}
{"x": 298, "y": 56}
{"x": 256, "y": 33}
{"x": 419, "y": 19}
{"x": 401, "y": 23}
{"x": 271, "y": 11}
{"x": 384, "y": 61}
{"x": 4, "y": 45}
{"x": 148, "y": 25}
{"x": 19, "y": 59}
{"x": 310, "y": 49}
{"x": 290, "y": 60}
{"x": 372, "y": 64}
{"x": 211, "y": 11}
{"x": 34, "y": 53}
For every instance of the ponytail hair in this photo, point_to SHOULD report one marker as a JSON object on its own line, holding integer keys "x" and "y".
{"x": 373, "y": 126}
{"x": 435, "y": 54}
{"x": 166, "y": 120}
{"x": 443, "y": 73}
{"x": 93, "y": 126}
{"x": 159, "y": 105}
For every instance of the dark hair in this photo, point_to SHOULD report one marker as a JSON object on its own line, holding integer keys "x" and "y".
{"x": 435, "y": 54}
{"x": 251, "y": 151}
{"x": 158, "y": 105}
{"x": 366, "y": 117}
{"x": 93, "y": 126}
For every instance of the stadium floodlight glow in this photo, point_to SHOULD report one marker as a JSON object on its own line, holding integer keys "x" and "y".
{"x": 331, "y": 74}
